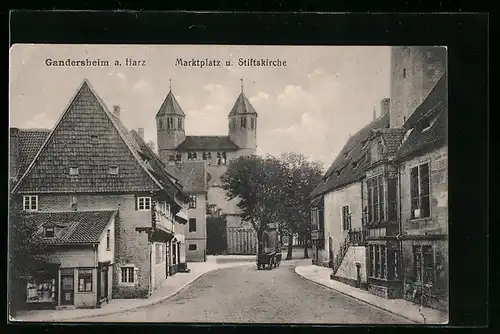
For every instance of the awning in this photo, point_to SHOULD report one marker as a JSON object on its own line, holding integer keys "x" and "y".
{"x": 179, "y": 238}
{"x": 181, "y": 217}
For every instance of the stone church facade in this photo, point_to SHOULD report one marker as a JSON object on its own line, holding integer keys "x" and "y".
{"x": 177, "y": 148}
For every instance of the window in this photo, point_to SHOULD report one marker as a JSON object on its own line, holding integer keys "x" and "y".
{"x": 392, "y": 201}
{"x": 346, "y": 218}
{"x": 170, "y": 123}
{"x": 393, "y": 261}
{"x": 49, "y": 231}
{"x": 207, "y": 156}
{"x": 192, "y": 247}
{"x": 179, "y": 123}
{"x": 144, "y": 203}
{"x": 30, "y": 203}
{"x": 127, "y": 275}
{"x": 423, "y": 264}
{"x": 419, "y": 191}
{"x": 113, "y": 170}
{"x": 160, "y": 124}
{"x": 178, "y": 157}
{"x": 223, "y": 158}
{"x": 404, "y": 73}
{"x": 73, "y": 171}
{"x": 84, "y": 280}
{"x": 171, "y": 157}
{"x": 252, "y": 123}
{"x": 243, "y": 121}
{"x": 378, "y": 267}
{"x": 191, "y": 155}
{"x": 376, "y": 208}
{"x": 192, "y": 201}
{"x": 219, "y": 159}
{"x": 108, "y": 239}
{"x": 41, "y": 291}
{"x": 192, "y": 224}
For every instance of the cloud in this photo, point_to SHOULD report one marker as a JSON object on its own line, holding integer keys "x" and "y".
{"x": 41, "y": 120}
{"x": 261, "y": 96}
{"x": 141, "y": 87}
{"x": 121, "y": 75}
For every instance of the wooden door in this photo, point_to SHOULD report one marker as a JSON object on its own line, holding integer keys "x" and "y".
{"x": 67, "y": 289}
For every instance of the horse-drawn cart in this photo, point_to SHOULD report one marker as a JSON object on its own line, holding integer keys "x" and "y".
{"x": 269, "y": 259}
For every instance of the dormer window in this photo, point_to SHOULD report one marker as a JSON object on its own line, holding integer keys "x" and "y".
{"x": 407, "y": 134}
{"x": 346, "y": 154}
{"x": 427, "y": 124}
{"x": 73, "y": 171}
{"x": 113, "y": 170}
{"x": 49, "y": 231}
{"x": 364, "y": 143}
{"x": 354, "y": 164}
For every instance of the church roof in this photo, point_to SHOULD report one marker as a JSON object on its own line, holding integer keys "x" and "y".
{"x": 170, "y": 106}
{"x": 192, "y": 143}
{"x": 242, "y": 106}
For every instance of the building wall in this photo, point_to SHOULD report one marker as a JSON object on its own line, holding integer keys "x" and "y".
{"x": 217, "y": 196}
{"x": 199, "y": 237}
{"x": 421, "y": 231}
{"x": 438, "y": 222}
{"x": 348, "y": 267}
{"x": 423, "y": 67}
{"x": 73, "y": 258}
{"x": 348, "y": 195}
{"x": 103, "y": 253}
{"x": 245, "y": 138}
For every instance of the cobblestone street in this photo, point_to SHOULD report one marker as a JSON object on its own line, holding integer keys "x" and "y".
{"x": 247, "y": 295}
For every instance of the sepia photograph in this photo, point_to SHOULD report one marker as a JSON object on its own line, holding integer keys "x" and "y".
{"x": 228, "y": 184}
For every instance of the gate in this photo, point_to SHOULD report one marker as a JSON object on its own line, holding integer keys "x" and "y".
{"x": 242, "y": 241}
{"x": 216, "y": 236}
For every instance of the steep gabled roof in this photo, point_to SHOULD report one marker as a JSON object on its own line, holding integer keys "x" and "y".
{"x": 170, "y": 183}
{"x": 192, "y": 173}
{"x": 242, "y": 106}
{"x": 349, "y": 164}
{"x": 170, "y": 106}
{"x": 87, "y": 135}
{"x": 76, "y": 227}
{"x": 28, "y": 144}
{"x": 433, "y": 112}
{"x": 208, "y": 143}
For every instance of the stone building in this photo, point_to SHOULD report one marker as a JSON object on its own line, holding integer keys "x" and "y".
{"x": 175, "y": 146}
{"x": 194, "y": 179}
{"x": 398, "y": 196}
{"x": 90, "y": 166}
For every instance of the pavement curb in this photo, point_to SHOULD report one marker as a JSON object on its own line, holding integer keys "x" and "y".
{"x": 153, "y": 302}
{"x": 359, "y": 299}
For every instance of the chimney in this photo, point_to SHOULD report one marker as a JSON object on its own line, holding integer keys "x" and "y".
{"x": 140, "y": 131}
{"x": 374, "y": 114}
{"x": 116, "y": 111}
{"x": 385, "y": 106}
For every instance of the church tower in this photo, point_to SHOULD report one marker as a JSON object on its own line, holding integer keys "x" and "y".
{"x": 243, "y": 125}
{"x": 170, "y": 127}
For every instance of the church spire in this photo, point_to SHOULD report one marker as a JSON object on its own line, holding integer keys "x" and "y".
{"x": 374, "y": 114}
{"x": 170, "y": 84}
{"x": 241, "y": 84}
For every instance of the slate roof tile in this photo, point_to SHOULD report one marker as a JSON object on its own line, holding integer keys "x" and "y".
{"x": 29, "y": 142}
{"x": 89, "y": 137}
{"x": 343, "y": 171}
{"x": 242, "y": 106}
{"x": 170, "y": 106}
{"x": 192, "y": 174}
{"x": 77, "y": 227}
{"x": 434, "y": 111}
{"x": 207, "y": 143}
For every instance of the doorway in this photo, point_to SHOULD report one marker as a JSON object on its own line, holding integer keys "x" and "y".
{"x": 67, "y": 289}
{"x": 102, "y": 282}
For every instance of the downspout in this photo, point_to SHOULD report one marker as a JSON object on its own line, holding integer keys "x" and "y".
{"x": 400, "y": 222}
{"x": 96, "y": 261}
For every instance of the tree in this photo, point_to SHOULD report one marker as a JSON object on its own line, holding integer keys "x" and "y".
{"x": 256, "y": 182}
{"x": 302, "y": 176}
{"x": 26, "y": 253}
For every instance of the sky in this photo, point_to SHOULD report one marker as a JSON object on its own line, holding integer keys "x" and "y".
{"x": 311, "y": 106}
